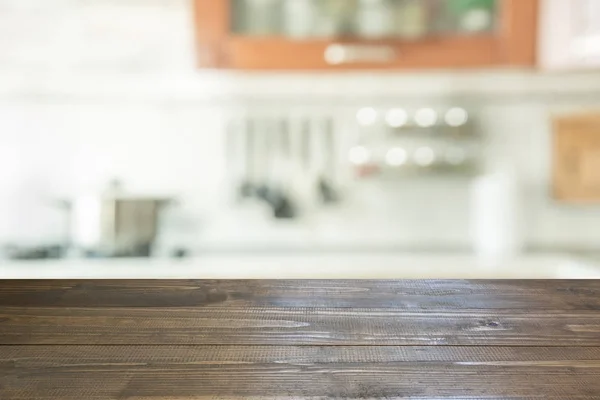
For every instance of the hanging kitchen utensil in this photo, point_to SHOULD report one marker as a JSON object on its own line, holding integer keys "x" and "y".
{"x": 247, "y": 184}
{"x": 327, "y": 177}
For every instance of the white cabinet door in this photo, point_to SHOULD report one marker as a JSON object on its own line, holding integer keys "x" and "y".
{"x": 569, "y": 34}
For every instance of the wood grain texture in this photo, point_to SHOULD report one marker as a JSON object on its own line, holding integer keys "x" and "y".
{"x": 167, "y": 340}
{"x": 161, "y": 372}
{"x": 316, "y": 326}
{"x": 438, "y": 295}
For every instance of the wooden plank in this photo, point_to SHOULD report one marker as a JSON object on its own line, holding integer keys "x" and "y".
{"x": 52, "y": 356}
{"x": 296, "y": 326}
{"x": 400, "y": 295}
{"x": 183, "y": 372}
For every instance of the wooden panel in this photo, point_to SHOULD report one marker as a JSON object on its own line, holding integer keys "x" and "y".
{"x": 300, "y": 326}
{"x": 33, "y": 357}
{"x": 577, "y": 158}
{"x": 279, "y": 53}
{"x": 401, "y": 295}
{"x": 170, "y": 372}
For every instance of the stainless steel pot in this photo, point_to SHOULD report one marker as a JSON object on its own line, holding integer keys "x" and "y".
{"x": 114, "y": 225}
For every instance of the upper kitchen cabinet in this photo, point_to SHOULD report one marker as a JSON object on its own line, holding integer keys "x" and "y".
{"x": 365, "y": 34}
{"x": 570, "y": 34}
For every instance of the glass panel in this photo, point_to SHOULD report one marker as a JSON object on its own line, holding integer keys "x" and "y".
{"x": 466, "y": 16}
{"x": 367, "y": 19}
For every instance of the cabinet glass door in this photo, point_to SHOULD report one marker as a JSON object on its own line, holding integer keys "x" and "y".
{"x": 363, "y": 19}
{"x": 586, "y": 42}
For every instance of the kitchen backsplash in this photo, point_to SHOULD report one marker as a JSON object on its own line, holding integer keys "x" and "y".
{"x": 70, "y": 122}
{"x": 71, "y": 138}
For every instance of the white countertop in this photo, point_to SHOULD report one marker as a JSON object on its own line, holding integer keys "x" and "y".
{"x": 309, "y": 266}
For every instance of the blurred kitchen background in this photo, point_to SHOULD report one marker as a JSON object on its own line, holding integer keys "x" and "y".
{"x": 187, "y": 128}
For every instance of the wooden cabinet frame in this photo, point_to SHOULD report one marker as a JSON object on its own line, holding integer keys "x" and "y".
{"x": 513, "y": 45}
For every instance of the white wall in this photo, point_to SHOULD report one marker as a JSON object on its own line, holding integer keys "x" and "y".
{"x": 67, "y": 123}
{"x": 59, "y": 150}
{"x": 100, "y": 88}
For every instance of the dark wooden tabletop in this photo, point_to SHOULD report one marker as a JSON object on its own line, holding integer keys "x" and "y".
{"x": 159, "y": 340}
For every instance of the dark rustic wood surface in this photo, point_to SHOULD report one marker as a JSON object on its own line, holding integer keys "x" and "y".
{"x": 159, "y": 340}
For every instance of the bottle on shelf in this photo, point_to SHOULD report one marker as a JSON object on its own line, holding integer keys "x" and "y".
{"x": 374, "y": 19}
{"x": 300, "y": 18}
{"x": 257, "y": 17}
{"x": 411, "y": 18}
{"x": 472, "y": 16}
